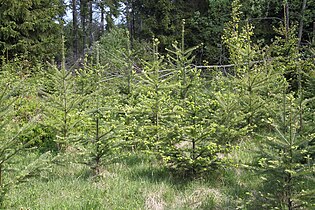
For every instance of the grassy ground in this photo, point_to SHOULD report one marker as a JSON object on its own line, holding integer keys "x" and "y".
{"x": 135, "y": 182}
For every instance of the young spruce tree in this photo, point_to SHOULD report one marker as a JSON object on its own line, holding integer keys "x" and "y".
{"x": 103, "y": 122}
{"x": 254, "y": 79}
{"x": 190, "y": 148}
{"x": 284, "y": 161}
{"x": 12, "y": 146}
{"x": 63, "y": 104}
{"x": 154, "y": 110}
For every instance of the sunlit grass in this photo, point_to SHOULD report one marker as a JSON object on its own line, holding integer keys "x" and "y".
{"x": 137, "y": 181}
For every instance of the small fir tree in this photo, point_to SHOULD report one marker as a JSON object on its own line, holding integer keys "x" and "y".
{"x": 155, "y": 106}
{"x": 102, "y": 122}
{"x": 190, "y": 147}
{"x": 284, "y": 162}
{"x": 254, "y": 79}
{"x": 114, "y": 52}
{"x": 63, "y": 102}
{"x": 12, "y": 146}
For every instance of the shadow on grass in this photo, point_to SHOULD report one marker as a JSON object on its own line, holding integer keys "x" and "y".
{"x": 149, "y": 168}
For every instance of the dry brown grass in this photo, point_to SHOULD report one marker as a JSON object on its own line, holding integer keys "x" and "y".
{"x": 154, "y": 201}
{"x": 197, "y": 198}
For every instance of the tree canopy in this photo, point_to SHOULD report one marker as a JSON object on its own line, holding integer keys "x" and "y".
{"x": 30, "y": 28}
{"x": 34, "y": 27}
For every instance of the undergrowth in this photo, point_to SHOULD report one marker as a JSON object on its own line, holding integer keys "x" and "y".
{"x": 136, "y": 181}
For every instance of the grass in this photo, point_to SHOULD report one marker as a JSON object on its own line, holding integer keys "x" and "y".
{"x": 134, "y": 182}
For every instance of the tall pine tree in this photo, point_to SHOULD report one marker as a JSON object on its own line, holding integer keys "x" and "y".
{"x": 30, "y": 28}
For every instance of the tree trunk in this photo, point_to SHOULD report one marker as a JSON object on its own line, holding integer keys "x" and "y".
{"x": 75, "y": 29}
{"x": 301, "y": 23}
{"x": 102, "y": 20}
{"x": 286, "y": 18}
{"x": 90, "y": 24}
{"x": 83, "y": 9}
{"x": 130, "y": 21}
